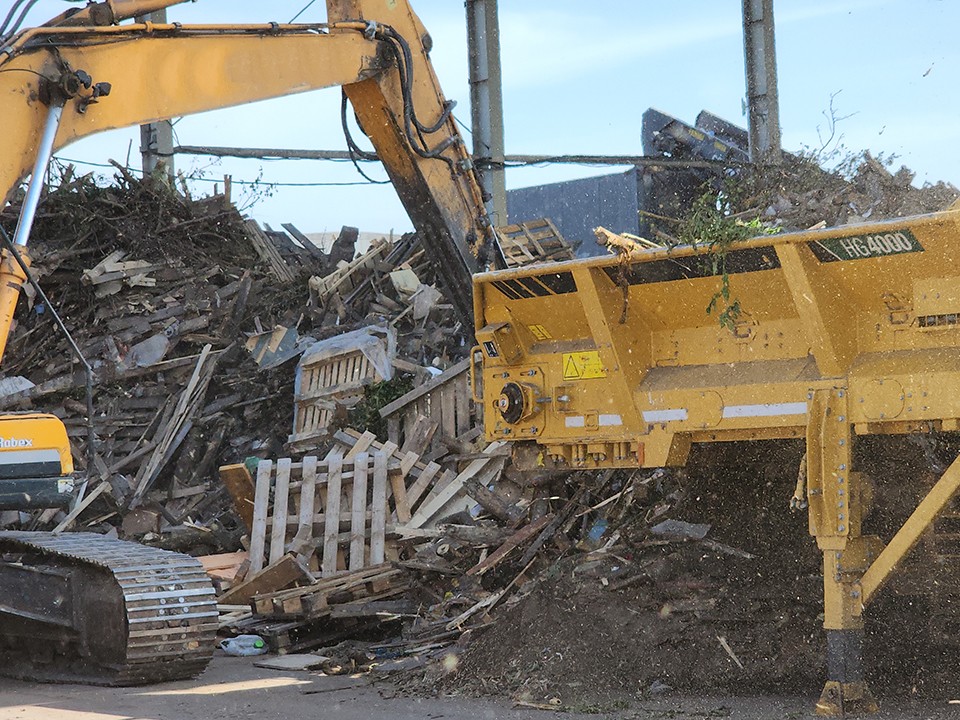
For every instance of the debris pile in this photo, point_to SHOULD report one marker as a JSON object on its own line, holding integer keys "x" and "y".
{"x": 167, "y": 297}
{"x": 306, "y": 422}
{"x": 805, "y": 196}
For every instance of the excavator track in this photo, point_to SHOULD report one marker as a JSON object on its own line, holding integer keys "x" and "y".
{"x": 80, "y": 607}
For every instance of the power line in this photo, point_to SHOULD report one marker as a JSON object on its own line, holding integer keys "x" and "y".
{"x": 509, "y": 160}
{"x": 252, "y": 183}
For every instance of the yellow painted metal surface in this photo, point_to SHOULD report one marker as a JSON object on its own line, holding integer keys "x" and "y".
{"x": 162, "y": 72}
{"x": 28, "y": 434}
{"x": 844, "y": 332}
{"x": 872, "y": 309}
{"x": 12, "y": 279}
{"x": 583, "y": 366}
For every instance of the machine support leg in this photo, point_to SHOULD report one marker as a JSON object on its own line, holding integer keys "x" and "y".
{"x": 845, "y": 655}
{"x": 855, "y": 566}
{"x": 835, "y": 498}
{"x": 908, "y": 535}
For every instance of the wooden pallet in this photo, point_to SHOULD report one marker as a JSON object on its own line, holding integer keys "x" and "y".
{"x": 428, "y": 496}
{"x": 330, "y": 376}
{"x": 442, "y": 407}
{"x": 413, "y": 482}
{"x": 321, "y": 386}
{"x": 330, "y": 511}
{"x": 532, "y": 242}
{"x": 315, "y": 601}
{"x": 334, "y": 512}
{"x": 349, "y": 276}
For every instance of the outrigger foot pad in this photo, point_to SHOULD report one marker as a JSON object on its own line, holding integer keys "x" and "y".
{"x": 846, "y": 692}
{"x": 844, "y": 699}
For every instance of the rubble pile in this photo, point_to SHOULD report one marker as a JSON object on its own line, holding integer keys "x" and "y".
{"x": 805, "y": 196}
{"x": 305, "y": 422}
{"x": 163, "y": 293}
{"x": 706, "y": 606}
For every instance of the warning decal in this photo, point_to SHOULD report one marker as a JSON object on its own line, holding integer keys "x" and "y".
{"x": 540, "y": 332}
{"x": 583, "y": 366}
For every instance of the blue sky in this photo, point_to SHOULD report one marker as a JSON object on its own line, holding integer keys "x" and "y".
{"x": 578, "y": 77}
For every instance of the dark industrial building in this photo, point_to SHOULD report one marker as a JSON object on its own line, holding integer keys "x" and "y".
{"x": 619, "y": 201}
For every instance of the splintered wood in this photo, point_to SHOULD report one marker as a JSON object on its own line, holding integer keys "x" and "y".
{"x": 440, "y": 409}
{"x": 317, "y": 599}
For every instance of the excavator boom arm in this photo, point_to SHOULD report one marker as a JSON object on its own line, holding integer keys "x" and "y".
{"x": 160, "y": 71}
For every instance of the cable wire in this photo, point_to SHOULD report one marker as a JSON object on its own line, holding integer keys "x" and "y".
{"x": 251, "y": 183}
{"x": 9, "y": 17}
{"x": 16, "y": 25}
{"x": 302, "y": 11}
{"x": 355, "y": 151}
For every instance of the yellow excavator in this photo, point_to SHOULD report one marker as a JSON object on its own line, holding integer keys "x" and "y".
{"x": 83, "y": 607}
{"x": 844, "y": 334}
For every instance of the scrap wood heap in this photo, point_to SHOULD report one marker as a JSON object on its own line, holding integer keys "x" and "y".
{"x": 498, "y": 582}
{"x": 556, "y": 589}
{"x": 372, "y": 511}
{"x": 864, "y": 190}
{"x": 165, "y": 295}
{"x": 803, "y": 195}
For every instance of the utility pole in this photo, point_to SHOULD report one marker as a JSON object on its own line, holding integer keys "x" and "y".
{"x": 156, "y": 138}
{"x": 763, "y": 104}
{"x": 486, "y": 103}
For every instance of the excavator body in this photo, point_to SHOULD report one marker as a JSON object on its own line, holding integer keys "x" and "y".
{"x": 837, "y": 334}
{"x": 86, "y": 608}
{"x": 36, "y": 467}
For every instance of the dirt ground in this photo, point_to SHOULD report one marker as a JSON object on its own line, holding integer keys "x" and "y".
{"x": 654, "y": 617}
{"x": 233, "y": 689}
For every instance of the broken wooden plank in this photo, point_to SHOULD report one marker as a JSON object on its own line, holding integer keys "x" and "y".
{"x": 422, "y": 483}
{"x": 419, "y": 392}
{"x": 281, "y": 499}
{"x": 374, "y": 608}
{"x": 281, "y": 574}
{"x": 224, "y": 566}
{"x": 258, "y": 533}
{"x": 418, "y": 433}
{"x": 172, "y": 433}
{"x": 491, "y": 501}
{"x": 511, "y": 543}
{"x": 308, "y": 491}
{"x": 361, "y": 444}
{"x": 378, "y": 517}
{"x": 81, "y": 506}
{"x": 399, "y": 487}
{"x": 358, "y": 520}
{"x": 328, "y": 565}
{"x": 432, "y": 507}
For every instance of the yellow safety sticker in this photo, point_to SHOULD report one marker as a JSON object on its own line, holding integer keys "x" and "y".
{"x": 540, "y": 332}
{"x": 583, "y": 366}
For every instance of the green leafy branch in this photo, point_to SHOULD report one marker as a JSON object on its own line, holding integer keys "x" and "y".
{"x": 709, "y": 224}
